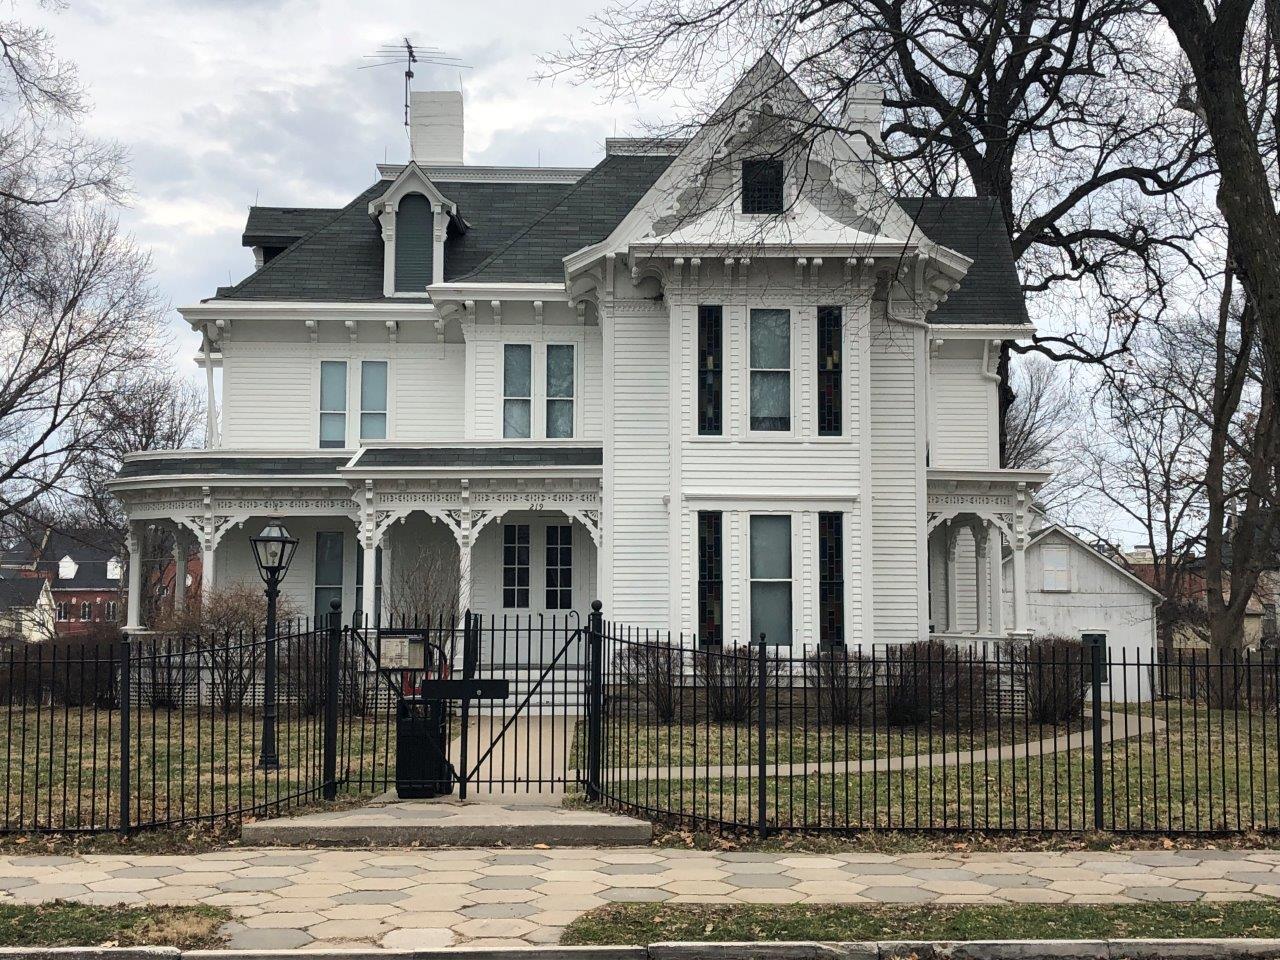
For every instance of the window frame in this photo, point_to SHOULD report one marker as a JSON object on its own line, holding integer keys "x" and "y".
{"x": 548, "y": 399}
{"x": 62, "y": 611}
{"x": 322, "y": 411}
{"x": 564, "y": 592}
{"x": 385, "y": 412}
{"x": 709, "y": 544}
{"x": 750, "y": 370}
{"x": 826, "y": 375}
{"x": 511, "y": 594}
{"x": 316, "y": 585}
{"x": 710, "y": 378}
{"x": 86, "y": 610}
{"x": 113, "y": 611}
{"x": 516, "y": 398}
{"x": 790, "y": 580}
{"x": 830, "y": 559}
{"x": 1065, "y": 550}
{"x": 761, "y": 163}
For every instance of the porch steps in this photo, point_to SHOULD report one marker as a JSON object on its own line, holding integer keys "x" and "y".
{"x": 562, "y": 692}
{"x": 448, "y": 822}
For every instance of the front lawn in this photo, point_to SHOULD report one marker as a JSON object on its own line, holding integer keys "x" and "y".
{"x": 63, "y": 924}
{"x": 645, "y": 923}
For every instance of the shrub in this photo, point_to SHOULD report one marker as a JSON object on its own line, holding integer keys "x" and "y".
{"x": 844, "y": 680}
{"x": 1054, "y": 672}
{"x": 728, "y": 680}
{"x": 923, "y": 677}
{"x": 652, "y": 671}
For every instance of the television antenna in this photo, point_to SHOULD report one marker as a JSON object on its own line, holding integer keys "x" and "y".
{"x": 406, "y": 52}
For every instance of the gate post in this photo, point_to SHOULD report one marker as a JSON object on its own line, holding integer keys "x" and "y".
{"x": 126, "y": 711}
{"x": 762, "y": 738}
{"x": 595, "y": 699}
{"x": 333, "y": 647}
{"x": 1096, "y": 643}
{"x": 470, "y": 652}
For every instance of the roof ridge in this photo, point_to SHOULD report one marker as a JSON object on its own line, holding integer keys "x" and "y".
{"x": 293, "y": 247}
{"x": 534, "y": 222}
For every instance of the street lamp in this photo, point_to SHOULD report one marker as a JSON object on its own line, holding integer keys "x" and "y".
{"x": 273, "y": 548}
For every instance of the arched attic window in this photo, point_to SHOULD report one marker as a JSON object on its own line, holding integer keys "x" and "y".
{"x": 415, "y": 239}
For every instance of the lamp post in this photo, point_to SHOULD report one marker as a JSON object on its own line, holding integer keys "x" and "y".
{"x": 273, "y": 549}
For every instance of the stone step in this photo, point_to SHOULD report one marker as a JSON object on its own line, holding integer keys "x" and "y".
{"x": 522, "y": 822}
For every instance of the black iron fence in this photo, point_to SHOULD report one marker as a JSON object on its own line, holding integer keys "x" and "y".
{"x": 1051, "y": 736}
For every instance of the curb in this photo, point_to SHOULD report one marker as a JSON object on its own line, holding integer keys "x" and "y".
{"x": 1199, "y": 949}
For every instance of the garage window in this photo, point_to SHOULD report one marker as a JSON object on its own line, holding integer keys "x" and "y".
{"x": 1056, "y": 558}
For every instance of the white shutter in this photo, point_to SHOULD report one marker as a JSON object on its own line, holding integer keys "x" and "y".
{"x": 1056, "y": 560}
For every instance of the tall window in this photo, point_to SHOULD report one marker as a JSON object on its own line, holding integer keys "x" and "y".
{"x": 559, "y": 390}
{"x": 710, "y": 578}
{"x": 770, "y": 370}
{"x": 515, "y": 566}
{"x": 112, "y": 611}
{"x": 771, "y": 578}
{"x": 762, "y": 186}
{"x": 377, "y": 578}
{"x": 710, "y": 371}
{"x": 333, "y": 403}
{"x": 560, "y": 566}
{"x": 831, "y": 579}
{"x": 328, "y": 572}
{"x": 830, "y": 322}
{"x": 517, "y": 390}
{"x": 86, "y": 610}
{"x": 373, "y": 400}
{"x": 64, "y": 610}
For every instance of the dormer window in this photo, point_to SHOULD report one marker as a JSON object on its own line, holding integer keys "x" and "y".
{"x": 67, "y": 568}
{"x": 114, "y": 569}
{"x": 762, "y": 186}
{"x": 415, "y": 240}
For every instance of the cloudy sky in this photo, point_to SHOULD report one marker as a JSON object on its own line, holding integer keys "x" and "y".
{"x": 224, "y": 103}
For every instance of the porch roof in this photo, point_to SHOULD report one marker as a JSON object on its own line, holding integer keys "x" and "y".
{"x": 207, "y": 465}
{"x": 379, "y": 459}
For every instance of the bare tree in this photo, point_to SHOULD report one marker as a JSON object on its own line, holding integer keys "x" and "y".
{"x": 79, "y": 319}
{"x": 1040, "y": 417}
{"x": 422, "y": 586}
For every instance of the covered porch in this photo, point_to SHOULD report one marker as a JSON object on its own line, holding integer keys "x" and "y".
{"x": 975, "y": 519}
{"x": 435, "y": 529}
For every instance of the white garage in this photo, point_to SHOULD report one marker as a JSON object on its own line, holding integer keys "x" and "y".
{"x": 1072, "y": 589}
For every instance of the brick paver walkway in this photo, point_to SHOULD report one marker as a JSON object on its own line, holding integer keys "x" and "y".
{"x": 425, "y": 898}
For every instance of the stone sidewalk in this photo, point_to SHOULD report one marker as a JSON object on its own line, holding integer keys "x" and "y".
{"x": 433, "y": 898}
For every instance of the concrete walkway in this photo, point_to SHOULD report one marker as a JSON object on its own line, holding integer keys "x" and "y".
{"x": 408, "y": 899}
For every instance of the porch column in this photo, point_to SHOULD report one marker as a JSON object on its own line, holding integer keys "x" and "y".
{"x": 953, "y": 586}
{"x": 995, "y": 561}
{"x": 207, "y": 558}
{"x": 1020, "y": 583}
{"x": 369, "y": 542}
{"x": 179, "y": 571}
{"x": 133, "y": 600}
{"x": 981, "y": 568}
{"x": 465, "y": 539}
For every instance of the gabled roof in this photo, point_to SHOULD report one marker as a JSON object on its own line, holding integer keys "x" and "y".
{"x": 1059, "y": 530}
{"x": 281, "y": 226}
{"x": 20, "y": 593}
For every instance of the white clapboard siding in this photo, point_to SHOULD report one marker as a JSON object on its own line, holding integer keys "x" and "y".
{"x": 897, "y": 480}
{"x": 640, "y": 473}
{"x": 428, "y": 389}
{"x": 256, "y": 378}
{"x": 964, "y": 415}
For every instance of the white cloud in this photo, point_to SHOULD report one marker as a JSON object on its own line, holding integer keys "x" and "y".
{"x": 222, "y": 103}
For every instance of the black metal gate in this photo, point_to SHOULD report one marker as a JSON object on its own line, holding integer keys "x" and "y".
{"x": 513, "y": 692}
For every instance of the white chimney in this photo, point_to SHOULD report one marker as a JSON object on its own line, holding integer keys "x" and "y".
{"x": 435, "y": 127}
{"x": 863, "y": 113}
{"x": 67, "y": 568}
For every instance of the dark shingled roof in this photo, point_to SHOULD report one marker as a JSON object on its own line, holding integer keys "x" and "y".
{"x": 523, "y": 231}
{"x": 512, "y": 456}
{"x": 20, "y": 593}
{"x": 973, "y": 226}
{"x": 281, "y": 226}
{"x": 230, "y": 466}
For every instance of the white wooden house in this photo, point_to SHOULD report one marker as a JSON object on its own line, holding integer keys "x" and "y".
{"x": 728, "y": 385}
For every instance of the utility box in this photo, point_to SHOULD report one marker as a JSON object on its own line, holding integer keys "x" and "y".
{"x": 423, "y": 769}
